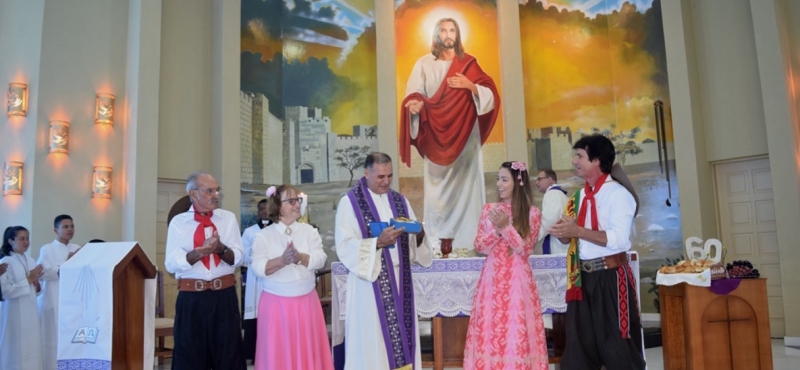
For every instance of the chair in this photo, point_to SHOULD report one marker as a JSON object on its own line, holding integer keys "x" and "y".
{"x": 323, "y": 290}
{"x": 163, "y": 325}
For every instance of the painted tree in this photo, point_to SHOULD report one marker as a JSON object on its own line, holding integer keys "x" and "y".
{"x": 624, "y": 143}
{"x": 351, "y": 158}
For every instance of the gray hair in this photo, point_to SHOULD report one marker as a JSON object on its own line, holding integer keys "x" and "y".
{"x": 376, "y": 157}
{"x": 191, "y": 182}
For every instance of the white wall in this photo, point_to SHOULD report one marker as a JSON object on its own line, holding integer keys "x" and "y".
{"x": 730, "y": 93}
{"x": 20, "y": 41}
{"x": 67, "y": 52}
{"x": 185, "y": 92}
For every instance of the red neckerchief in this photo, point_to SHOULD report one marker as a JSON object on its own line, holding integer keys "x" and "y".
{"x": 589, "y": 196}
{"x": 200, "y": 235}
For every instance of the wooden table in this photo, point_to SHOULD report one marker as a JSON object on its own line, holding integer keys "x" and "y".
{"x": 701, "y": 330}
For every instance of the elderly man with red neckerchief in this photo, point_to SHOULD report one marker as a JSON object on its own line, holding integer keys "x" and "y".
{"x": 203, "y": 249}
{"x": 603, "y": 325}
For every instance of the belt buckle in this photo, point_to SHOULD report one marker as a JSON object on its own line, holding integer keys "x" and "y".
{"x": 216, "y": 284}
{"x": 198, "y": 286}
{"x": 587, "y": 266}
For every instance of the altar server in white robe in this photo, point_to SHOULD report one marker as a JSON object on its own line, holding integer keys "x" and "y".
{"x": 252, "y": 283}
{"x": 52, "y": 256}
{"x": 372, "y": 260}
{"x": 20, "y": 338}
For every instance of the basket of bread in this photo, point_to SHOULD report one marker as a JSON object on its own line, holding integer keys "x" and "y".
{"x": 687, "y": 267}
{"x": 701, "y": 266}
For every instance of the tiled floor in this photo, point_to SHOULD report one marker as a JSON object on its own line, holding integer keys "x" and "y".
{"x": 655, "y": 361}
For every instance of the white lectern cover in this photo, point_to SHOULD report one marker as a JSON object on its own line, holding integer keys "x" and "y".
{"x": 86, "y": 308}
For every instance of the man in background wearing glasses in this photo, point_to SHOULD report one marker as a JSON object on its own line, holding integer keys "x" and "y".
{"x": 203, "y": 249}
{"x": 555, "y": 198}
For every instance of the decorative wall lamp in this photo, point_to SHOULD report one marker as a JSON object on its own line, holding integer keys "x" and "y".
{"x": 59, "y": 137}
{"x": 17, "y": 99}
{"x": 101, "y": 182}
{"x": 104, "y": 109}
{"x": 12, "y": 178}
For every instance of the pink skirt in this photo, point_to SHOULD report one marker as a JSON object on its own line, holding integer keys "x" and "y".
{"x": 292, "y": 334}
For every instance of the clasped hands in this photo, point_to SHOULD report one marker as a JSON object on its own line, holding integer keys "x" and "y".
{"x": 210, "y": 245}
{"x": 564, "y": 229}
{"x": 290, "y": 255}
{"x": 499, "y": 218}
{"x": 34, "y": 275}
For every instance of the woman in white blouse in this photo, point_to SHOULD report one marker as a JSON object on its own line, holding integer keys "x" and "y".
{"x": 291, "y": 328}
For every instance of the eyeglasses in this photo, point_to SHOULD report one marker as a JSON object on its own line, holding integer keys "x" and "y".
{"x": 210, "y": 191}
{"x": 293, "y": 201}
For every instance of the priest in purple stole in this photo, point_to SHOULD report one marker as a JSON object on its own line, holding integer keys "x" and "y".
{"x": 381, "y": 321}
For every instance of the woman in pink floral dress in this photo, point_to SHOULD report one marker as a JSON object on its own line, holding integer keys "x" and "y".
{"x": 506, "y": 329}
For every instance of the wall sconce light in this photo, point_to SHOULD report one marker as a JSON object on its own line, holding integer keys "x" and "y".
{"x": 101, "y": 182}
{"x": 104, "y": 109}
{"x": 59, "y": 137}
{"x": 17, "y": 99}
{"x": 12, "y": 178}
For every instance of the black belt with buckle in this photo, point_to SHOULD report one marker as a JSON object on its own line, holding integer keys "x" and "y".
{"x": 604, "y": 263}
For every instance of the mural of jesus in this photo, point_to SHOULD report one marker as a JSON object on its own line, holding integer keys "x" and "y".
{"x": 449, "y": 109}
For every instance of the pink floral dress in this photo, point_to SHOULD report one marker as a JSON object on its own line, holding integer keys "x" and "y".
{"x": 506, "y": 329}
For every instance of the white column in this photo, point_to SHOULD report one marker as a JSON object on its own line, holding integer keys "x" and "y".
{"x": 775, "y": 67}
{"x": 691, "y": 162}
{"x": 141, "y": 131}
{"x": 512, "y": 95}
{"x": 225, "y": 68}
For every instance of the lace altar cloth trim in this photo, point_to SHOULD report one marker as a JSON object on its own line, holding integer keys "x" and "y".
{"x": 447, "y": 286}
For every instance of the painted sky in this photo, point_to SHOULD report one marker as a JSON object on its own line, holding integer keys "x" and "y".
{"x": 583, "y": 73}
{"x": 316, "y": 53}
{"x": 354, "y": 19}
{"x": 591, "y": 7}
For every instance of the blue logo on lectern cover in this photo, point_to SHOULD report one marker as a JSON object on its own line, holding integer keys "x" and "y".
{"x": 86, "y": 335}
{"x": 86, "y": 287}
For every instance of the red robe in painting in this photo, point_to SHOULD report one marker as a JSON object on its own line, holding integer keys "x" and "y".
{"x": 447, "y": 117}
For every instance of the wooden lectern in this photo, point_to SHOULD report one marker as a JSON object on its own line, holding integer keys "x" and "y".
{"x": 95, "y": 330}
{"x": 701, "y": 330}
{"x": 128, "y": 341}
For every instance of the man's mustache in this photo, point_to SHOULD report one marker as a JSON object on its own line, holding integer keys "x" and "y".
{"x": 444, "y": 44}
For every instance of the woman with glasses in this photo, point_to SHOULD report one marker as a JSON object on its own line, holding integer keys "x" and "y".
{"x": 291, "y": 328}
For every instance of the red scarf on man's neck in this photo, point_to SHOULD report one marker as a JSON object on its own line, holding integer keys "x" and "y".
{"x": 589, "y": 196}
{"x": 200, "y": 235}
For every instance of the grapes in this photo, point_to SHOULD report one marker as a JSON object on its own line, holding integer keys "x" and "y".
{"x": 742, "y": 269}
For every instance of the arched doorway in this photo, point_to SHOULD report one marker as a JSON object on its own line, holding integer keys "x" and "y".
{"x": 306, "y": 172}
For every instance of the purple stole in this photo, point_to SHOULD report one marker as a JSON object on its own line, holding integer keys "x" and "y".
{"x": 395, "y": 308}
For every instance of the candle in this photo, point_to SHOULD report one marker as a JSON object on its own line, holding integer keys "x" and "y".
{"x": 304, "y": 204}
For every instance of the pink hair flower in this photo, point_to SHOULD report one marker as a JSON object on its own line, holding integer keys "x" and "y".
{"x": 271, "y": 191}
{"x": 519, "y": 166}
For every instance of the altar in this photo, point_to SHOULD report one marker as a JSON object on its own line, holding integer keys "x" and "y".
{"x": 445, "y": 290}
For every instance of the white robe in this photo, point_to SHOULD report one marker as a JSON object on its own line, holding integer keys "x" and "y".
{"x": 51, "y": 256}
{"x": 364, "y": 345}
{"x": 552, "y": 208}
{"x": 252, "y": 290}
{"x": 454, "y": 194}
{"x": 20, "y": 335}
